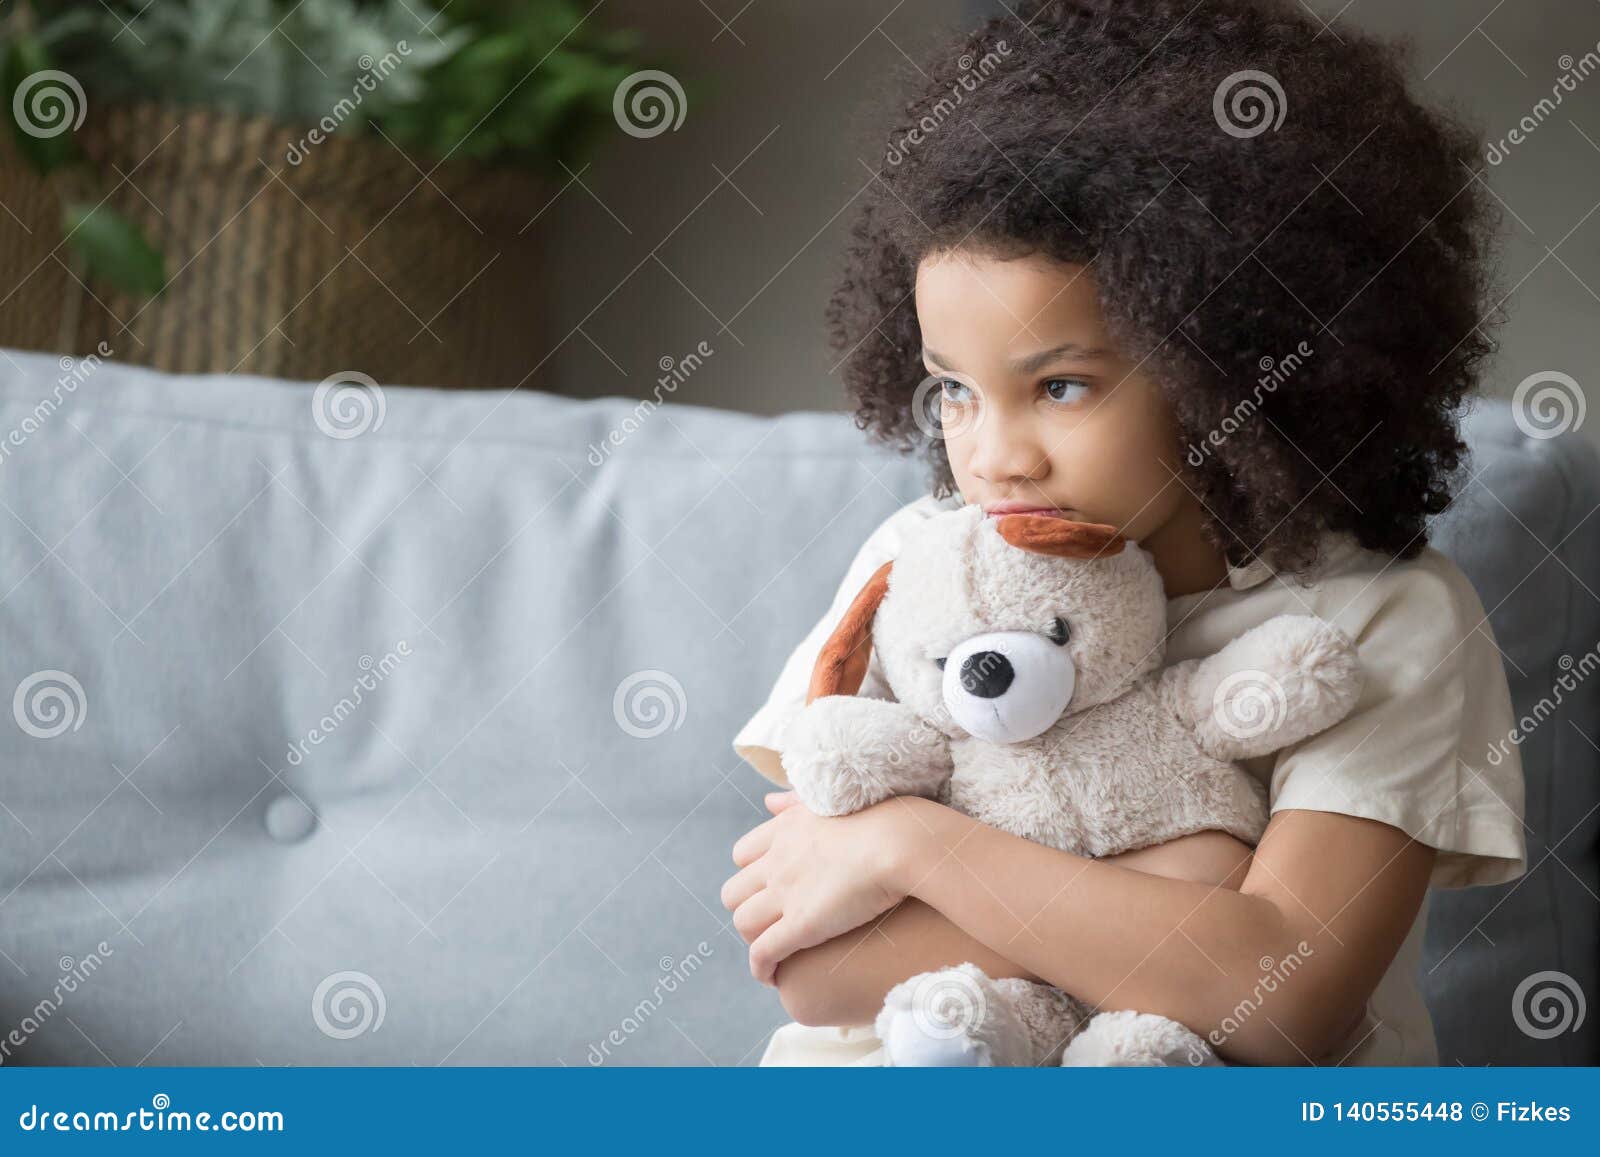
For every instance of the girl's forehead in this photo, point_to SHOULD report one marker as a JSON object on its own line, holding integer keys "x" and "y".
{"x": 1035, "y": 271}
{"x": 1026, "y": 303}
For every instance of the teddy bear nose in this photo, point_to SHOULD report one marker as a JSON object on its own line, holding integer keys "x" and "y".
{"x": 987, "y": 674}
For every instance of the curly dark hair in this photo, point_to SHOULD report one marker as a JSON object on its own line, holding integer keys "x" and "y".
{"x": 1129, "y": 135}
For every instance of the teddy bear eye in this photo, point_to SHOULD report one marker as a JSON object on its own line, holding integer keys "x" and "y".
{"x": 940, "y": 662}
{"x": 1060, "y": 632}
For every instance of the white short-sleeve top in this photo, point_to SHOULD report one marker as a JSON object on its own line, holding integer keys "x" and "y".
{"x": 1426, "y": 749}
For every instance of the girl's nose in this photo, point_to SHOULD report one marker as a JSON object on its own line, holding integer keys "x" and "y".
{"x": 1007, "y": 450}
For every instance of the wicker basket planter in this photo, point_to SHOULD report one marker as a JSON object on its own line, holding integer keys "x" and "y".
{"x": 355, "y": 258}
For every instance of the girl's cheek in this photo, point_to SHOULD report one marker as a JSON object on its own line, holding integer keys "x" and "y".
{"x": 1117, "y": 475}
{"x": 959, "y": 452}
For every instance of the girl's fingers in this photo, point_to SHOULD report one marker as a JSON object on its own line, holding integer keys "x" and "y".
{"x": 742, "y": 885}
{"x": 780, "y": 801}
{"x": 756, "y": 915}
{"x": 779, "y": 942}
{"x": 753, "y": 845}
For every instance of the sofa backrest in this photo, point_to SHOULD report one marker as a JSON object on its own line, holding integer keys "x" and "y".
{"x": 1508, "y": 970}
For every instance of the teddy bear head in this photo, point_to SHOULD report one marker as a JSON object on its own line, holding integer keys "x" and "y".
{"x": 996, "y": 627}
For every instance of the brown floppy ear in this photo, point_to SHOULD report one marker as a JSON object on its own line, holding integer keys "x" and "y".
{"x": 842, "y": 663}
{"x": 1043, "y": 534}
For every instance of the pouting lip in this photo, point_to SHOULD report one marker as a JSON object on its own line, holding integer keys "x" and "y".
{"x": 995, "y": 510}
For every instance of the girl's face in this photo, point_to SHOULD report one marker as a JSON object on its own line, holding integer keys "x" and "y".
{"x": 1036, "y": 407}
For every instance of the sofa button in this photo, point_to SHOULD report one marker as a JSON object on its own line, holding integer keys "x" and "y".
{"x": 288, "y": 820}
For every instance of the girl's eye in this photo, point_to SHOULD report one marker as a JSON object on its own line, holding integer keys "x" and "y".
{"x": 954, "y": 392}
{"x": 1068, "y": 391}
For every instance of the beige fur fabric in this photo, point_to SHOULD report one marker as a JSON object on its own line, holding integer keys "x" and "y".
{"x": 1091, "y": 748}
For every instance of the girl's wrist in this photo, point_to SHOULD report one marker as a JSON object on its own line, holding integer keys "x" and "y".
{"x": 917, "y": 841}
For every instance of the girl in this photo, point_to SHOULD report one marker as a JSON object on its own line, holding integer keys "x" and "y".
{"x": 1206, "y": 273}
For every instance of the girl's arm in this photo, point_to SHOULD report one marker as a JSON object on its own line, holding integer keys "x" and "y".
{"x": 1335, "y": 894}
{"x": 843, "y": 982}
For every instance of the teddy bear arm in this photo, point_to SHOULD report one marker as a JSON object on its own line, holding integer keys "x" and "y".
{"x": 843, "y": 753}
{"x": 1278, "y": 683}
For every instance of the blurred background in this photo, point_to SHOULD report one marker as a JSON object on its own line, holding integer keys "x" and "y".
{"x": 568, "y": 196}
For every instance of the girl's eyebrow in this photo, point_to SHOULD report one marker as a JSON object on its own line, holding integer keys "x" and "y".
{"x": 1031, "y": 362}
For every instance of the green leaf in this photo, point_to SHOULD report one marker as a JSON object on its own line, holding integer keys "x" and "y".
{"x": 49, "y": 105}
{"x": 114, "y": 249}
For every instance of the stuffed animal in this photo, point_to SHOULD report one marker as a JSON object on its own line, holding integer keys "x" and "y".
{"x": 1024, "y": 653}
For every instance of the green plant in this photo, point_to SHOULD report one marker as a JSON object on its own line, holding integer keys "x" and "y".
{"x": 514, "y": 81}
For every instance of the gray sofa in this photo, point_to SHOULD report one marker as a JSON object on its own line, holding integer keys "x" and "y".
{"x": 412, "y": 747}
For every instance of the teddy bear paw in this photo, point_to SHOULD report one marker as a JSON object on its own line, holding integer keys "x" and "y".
{"x": 952, "y": 1018}
{"x": 1125, "y": 1039}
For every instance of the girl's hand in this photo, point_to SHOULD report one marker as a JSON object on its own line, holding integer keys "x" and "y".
{"x": 805, "y": 879}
